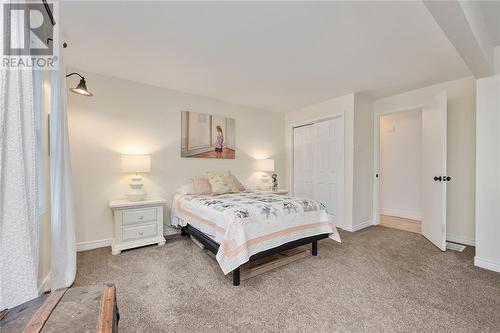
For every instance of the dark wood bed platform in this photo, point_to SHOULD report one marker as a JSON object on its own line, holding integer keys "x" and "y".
{"x": 213, "y": 246}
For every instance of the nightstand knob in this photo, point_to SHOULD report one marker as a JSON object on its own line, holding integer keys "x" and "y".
{"x": 141, "y": 233}
{"x": 140, "y": 217}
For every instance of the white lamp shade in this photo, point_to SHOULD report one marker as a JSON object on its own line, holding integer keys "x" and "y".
{"x": 136, "y": 163}
{"x": 265, "y": 165}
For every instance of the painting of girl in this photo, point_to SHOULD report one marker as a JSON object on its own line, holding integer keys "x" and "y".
{"x": 219, "y": 143}
{"x": 207, "y": 136}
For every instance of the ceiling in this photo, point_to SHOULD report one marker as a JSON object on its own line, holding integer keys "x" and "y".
{"x": 491, "y": 13}
{"x": 276, "y": 56}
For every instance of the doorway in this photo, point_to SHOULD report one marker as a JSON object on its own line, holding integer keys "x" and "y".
{"x": 400, "y": 170}
{"x": 434, "y": 178}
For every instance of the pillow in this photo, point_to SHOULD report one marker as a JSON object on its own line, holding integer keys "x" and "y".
{"x": 222, "y": 184}
{"x": 187, "y": 189}
{"x": 201, "y": 185}
{"x": 238, "y": 184}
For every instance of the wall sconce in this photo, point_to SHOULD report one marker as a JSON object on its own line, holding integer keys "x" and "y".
{"x": 81, "y": 88}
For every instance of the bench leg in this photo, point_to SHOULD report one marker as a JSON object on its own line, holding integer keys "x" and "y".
{"x": 315, "y": 248}
{"x": 236, "y": 277}
{"x": 183, "y": 231}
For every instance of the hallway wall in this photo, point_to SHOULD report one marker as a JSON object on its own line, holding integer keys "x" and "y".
{"x": 400, "y": 164}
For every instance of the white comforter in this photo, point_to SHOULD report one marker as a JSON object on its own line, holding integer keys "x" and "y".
{"x": 247, "y": 223}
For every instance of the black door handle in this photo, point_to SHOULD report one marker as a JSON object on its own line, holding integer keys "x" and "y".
{"x": 437, "y": 179}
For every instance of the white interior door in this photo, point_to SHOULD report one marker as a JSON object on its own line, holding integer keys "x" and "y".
{"x": 318, "y": 164}
{"x": 434, "y": 177}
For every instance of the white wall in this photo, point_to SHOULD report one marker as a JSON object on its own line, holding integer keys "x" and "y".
{"x": 488, "y": 171}
{"x": 400, "y": 164}
{"x": 127, "y": 117}
{"x": 362, "y": 163}
{"x": 461, "y": 149}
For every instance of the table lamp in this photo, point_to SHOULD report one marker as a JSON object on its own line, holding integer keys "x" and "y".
{"x": 266, "y": 166}
{"x": 136, "y": 164}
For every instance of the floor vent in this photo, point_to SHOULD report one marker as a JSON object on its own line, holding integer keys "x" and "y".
{"x": 455, "y": 247}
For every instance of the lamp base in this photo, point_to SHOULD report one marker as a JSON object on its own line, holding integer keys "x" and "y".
{"x": 136, "y": 192}
{"x": 265, "y": 183}
{"x": 136, "y": 196}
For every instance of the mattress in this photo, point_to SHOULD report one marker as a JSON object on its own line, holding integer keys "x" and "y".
{"x": 249, "y": 222}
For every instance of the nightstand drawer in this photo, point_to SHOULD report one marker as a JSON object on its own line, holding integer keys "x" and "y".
{"x": 139, "y": 216}
{"x": 143, "y": 231}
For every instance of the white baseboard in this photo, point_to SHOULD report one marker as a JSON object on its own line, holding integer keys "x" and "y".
{"x": 401, "y": 213}
{"x": 45, "y": 285}
{"x": 90, "y": 245}
{"x": 85, "y": 246}
{"x": 343, "y": 227}
{"x": 460, "y": 240}
{"x": 357, "y": 227}
{"x": 487, "y": 264}
{"x": 362, "y": 225}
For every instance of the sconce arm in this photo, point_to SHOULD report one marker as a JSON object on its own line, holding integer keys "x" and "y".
{"x": 75, "y": 74}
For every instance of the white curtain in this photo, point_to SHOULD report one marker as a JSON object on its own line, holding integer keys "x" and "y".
{"x": 63, "y": 255}
{"x": 19, "y": 225}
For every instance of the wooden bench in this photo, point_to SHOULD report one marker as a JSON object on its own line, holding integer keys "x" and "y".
{"x": 80, "y": 309}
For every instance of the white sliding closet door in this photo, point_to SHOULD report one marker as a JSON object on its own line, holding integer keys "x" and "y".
{"x": 303, "y": 166}
{"x": 329, "y": 165}
{"x": 319, "y": 164}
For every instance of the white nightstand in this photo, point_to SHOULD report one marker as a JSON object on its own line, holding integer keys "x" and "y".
{"x": 137, "y": 223}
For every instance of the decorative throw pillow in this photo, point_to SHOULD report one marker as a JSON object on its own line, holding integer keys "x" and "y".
{"x": 238, "y": 184}
{"x": 201, "y": 185}
{"x": 222, "y": 184}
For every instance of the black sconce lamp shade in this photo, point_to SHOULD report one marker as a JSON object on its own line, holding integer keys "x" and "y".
{"x": 81, "y": 88}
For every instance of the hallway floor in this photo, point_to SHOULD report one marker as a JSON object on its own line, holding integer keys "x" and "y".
{"x": 401, "y": 223}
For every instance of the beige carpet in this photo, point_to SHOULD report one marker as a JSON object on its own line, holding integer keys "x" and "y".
{"x": 377, "y": 280}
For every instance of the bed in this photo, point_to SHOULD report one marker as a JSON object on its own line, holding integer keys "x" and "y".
{"x": 250, "y": 225}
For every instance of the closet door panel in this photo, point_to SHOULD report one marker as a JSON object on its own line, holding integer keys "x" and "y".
{"x": 305, "y": 190}
{"x": 327, "y": 195}
{"x": 303, "y": 162}
{"x": 318, "y": 166}
{"x": 329, "y": 144}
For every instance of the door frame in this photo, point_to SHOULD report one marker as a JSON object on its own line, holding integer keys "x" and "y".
{"x": 290, "y": 170}
{"x": 376, "y": 155}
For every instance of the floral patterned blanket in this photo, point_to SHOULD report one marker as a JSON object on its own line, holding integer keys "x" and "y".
{"x": 248, "y": 222}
